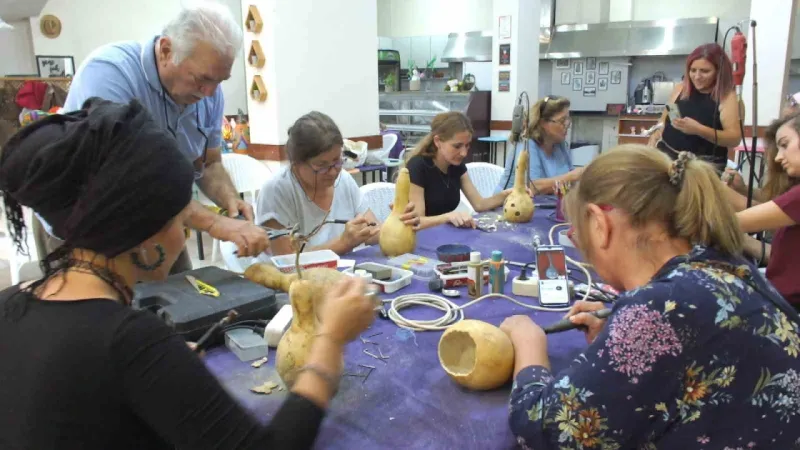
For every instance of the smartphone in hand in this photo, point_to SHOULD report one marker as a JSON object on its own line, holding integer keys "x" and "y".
{"x": 673, "y": 111}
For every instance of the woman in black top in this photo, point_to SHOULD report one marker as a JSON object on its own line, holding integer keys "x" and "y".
{"x": 709, "y": 122}
{"x": 439, "y": 175}
{"x": 82, "y": 370}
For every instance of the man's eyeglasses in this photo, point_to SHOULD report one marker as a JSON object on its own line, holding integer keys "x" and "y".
{"x": 317, "y": 169}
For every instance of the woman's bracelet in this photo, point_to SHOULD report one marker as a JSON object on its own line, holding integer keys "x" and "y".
{"x": 331, "y": 381}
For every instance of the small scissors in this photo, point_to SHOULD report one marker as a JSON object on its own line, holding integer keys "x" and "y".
{"x": 202, "y": 287}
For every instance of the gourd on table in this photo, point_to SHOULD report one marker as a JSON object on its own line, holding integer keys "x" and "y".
{"x": 396, "y": 237}
{"x": 477, "y": 355}
{"x": 305, "y": 295}
{"x": 518, "y": 206}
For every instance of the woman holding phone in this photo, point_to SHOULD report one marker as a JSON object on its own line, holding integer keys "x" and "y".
{"x": 703, "y": 114}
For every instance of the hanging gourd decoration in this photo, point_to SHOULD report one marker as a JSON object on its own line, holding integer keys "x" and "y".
{"x": 396, "y": 237}
{"x": 518, "y": 206}
{"x": 477, "y": 355}
{"x": 304, "y": 294}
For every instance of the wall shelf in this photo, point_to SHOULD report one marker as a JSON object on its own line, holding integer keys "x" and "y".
{"x": 258, "y": 91}
{"x": 256, "y": 56}
{"x": 253, "y": 23}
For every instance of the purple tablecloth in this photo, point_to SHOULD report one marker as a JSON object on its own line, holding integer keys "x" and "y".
{"x": 409, "y": 402}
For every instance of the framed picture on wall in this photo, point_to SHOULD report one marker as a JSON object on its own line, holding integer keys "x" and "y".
{"x": 577, "y": 84}
{"x": 577, "y": 67}
{"x": 55, "y": 66}
{"x": 565, "y": 77}
{"x": 504, "y": 81}
{"x": 602, "y": 84}
{"x": 591, "y": 63}
{"x": 562, "y": 64}
{"x": 504, "y": 27}
{"x": 589, "y": 92}
{"x": 603, "y": 68}
{"x": 505, "y": 54}
{"x": 616, "y": 76}
{"x": 591, "y": 76}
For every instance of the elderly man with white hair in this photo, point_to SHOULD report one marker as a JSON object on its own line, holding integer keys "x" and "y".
{"x": 177, "y": 77}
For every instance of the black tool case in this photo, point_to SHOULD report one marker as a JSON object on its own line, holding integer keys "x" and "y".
{"x": 190, "y": 313}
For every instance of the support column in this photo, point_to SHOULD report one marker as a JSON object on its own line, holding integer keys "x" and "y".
{"x": 620, "y": 10}
{"x": 524, "y": 68}
{"x": 774, "y": 32}
{"x": 314, "y": 61}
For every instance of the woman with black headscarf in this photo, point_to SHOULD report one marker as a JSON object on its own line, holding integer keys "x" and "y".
{"x": 80, "y": 369}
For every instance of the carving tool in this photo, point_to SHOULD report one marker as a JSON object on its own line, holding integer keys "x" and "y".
{"x": 204, "y": 340}
{"x": 565, "y": 324}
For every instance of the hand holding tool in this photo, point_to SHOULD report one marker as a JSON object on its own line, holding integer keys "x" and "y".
{"x": 203, "y": 342}
{"x": 566, "y": 324}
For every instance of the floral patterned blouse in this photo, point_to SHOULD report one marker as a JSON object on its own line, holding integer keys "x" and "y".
{"x": 698, "y": 358}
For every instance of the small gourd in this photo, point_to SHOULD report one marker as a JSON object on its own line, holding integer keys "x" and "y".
{"x": 396, "y": 237}
{"x": 304, "y": 295}
{"x": 518, "y": 206}
{"x": 477, "y": 355}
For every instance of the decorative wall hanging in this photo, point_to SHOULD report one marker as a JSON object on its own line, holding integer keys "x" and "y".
{"x": 258, "y": 91}
{"x": 50, "y": 26}
{"x": 253, "y": 23}
{"x": 255, "y": 56}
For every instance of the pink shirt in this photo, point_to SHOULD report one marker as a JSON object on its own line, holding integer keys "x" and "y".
{"x": 784, "y": 260}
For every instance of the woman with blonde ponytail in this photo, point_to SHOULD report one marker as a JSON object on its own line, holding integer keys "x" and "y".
{"x": 439, "y": 175}
{"x": 698, "y": 346}
{"x": 550, "y": 160}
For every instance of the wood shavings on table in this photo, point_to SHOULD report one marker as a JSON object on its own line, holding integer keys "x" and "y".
{"x": 259, "y": 362}
{"x": 265, "y": 388}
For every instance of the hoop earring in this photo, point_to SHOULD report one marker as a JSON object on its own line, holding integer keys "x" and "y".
{"x": 162, "y": 256}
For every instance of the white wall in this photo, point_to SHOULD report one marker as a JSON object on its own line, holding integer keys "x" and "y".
{"x": 16, "y": 50}
{"x": 88, "y": 24}
{"x": 399, "y": 18}
{"x": 316, "y": 60}
{"x": 653, "y": 10}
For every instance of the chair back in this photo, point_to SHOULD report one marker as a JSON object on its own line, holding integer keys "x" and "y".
{"x": 485, "y": 177}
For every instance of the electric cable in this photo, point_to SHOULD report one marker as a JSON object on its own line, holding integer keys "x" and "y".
{"x": 453, "y": 313}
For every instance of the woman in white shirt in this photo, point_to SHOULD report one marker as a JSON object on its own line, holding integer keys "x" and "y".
{"x": 314, "y": 186}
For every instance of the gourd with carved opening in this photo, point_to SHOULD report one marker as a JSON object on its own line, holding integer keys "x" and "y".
{"x": 518, "y": 206}
{"x": 477, "y": 355}
{"x": 396, "y": 237}
{"x": 304, "y": 294}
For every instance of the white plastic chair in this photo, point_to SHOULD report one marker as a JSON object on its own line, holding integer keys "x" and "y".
{"x": 233, "y": 262}
{"x": 248, "y": 176}
{"x": 485, "y": 177}
{"x": 378, "y": 196}
{"x": 19, "y": 263}
{"x": 465, "y": 205}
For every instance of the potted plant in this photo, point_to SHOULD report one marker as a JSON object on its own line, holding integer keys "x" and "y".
{"x": 388, "y": 82}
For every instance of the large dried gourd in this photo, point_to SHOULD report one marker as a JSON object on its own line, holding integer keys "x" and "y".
{"x": 396, "y": 237}
{"x": 305, "y": 296}
{"x": 477, "y": 355}
{"x": 295, "y": 344}
{"x": 518, "y": 206}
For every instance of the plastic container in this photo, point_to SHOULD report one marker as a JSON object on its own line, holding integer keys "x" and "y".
{"x": 496, "y": 272}
{"x": 400, "y": 279}
{"x": 455, "y": 274}
{"x": 421, "y": 267}
{"x": 319, "y": 258}
{"x": 246, "y": 344}
{"x": 475, "y": 275}
{"x": 453, "y": 253}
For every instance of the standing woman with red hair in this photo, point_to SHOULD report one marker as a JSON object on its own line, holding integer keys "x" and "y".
{"x": 709, "y": 122}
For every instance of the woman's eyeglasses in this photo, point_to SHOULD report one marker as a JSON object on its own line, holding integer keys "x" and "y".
{"x": 565, "y": 122}
{"x": 317, "y": 169}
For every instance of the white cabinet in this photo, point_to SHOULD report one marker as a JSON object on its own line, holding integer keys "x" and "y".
{"x": 402, "y": 45}
{"x": 421, "y": 50}
{"x": 438, "y": 43}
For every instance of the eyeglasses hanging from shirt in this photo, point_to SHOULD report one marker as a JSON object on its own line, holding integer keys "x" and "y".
{"x": 174, "y": 132}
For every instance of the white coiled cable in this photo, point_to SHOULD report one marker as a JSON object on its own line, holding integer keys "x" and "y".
{"x": 453, "y": 313}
